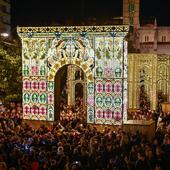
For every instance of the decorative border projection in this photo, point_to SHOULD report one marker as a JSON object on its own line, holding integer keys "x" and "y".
{"x": 100, "y": 51}
{"x": 71, "y": 29}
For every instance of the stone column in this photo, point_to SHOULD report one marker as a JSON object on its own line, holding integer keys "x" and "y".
{"x": 70, "y": 84}
{"x": 154, "y": 83}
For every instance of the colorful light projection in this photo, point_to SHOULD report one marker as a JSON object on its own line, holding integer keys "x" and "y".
{"x": 101, "y": 52}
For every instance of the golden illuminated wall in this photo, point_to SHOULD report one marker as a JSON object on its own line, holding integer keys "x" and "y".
{"x": 155, "y": 76}
{"x": 163, "y": 76}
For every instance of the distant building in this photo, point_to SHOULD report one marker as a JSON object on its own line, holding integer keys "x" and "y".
{"x": 148, "y": 38}
{"x": 5, "y": 16}
{"x": 152, "y": 39}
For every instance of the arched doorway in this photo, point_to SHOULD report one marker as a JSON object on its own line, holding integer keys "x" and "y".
{"x": 69, "y": 92}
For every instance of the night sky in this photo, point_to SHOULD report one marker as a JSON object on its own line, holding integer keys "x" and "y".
{"x": 43, "y": 12}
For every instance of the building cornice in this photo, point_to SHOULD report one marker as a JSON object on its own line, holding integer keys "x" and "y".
{"x": 73, "y": 29}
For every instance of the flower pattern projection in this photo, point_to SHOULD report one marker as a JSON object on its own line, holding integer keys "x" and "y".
{"x": 118, "y": 87}
{"x": 26, "y": 84}
{"x": 50, "y": 86}
{"x": 34, "y": 85}
{"x": 108, "y": 101}
{"x": 34, "y": 97}
{"x": 99, "y": 87}
{"x": 90, "y": 110}
{"x": 108, "y": 114}
{"x": 99, "y": 113}
{"x": 42, "y": 85}
{"x": 90, "y": 88}
{"x": 90, "y": 100}
{"x": 26, "y": 109}
{"x": 99, "y": 71}
{"x": 43, "y": 110}
{"x": 50, "y": 98}
{"x": 34, "y": 70}
{"x": 43, "y": 98}
{"x": 99, "y": 100}
{"x": 108, "y": 72}
{"x": 50, "y": 112}
{"x": 117, "y": 115}
{"x": 117, "y": 101}
{"x": 35, "y": 110}
{"x": 26, "y": 97}
{"x": 108, "y": 87}
{"x": 25, "y": 70}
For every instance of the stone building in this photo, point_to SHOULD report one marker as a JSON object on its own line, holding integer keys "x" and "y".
{"x": 5, "y": 16}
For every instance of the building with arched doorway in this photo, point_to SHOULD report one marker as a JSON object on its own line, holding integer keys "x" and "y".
{"x": 98, "y": 53}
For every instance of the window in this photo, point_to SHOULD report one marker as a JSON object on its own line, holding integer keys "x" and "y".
{"x": 146, "y": 38}
{"x": 5, "y": 20}
{"x": 131, "y": 7}
{"x": 3, "y": 8}
{"x": 163, "y": 38}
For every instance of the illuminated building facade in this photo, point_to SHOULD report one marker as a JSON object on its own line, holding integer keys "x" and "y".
{"x": 101, "y": 53}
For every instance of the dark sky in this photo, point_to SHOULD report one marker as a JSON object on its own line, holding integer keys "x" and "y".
{"x": 43, "y": 12}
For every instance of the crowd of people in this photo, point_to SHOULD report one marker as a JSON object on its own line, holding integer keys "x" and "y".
{"x": 74, "y": 145}
{"x": 69, "y": 112}
{"x": 161, "y": 118}
{"x": 143, "y": 115}
{"x": 163, "y": 121}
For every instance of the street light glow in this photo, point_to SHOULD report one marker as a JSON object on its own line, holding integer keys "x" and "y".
{"x": 4, "y": 34}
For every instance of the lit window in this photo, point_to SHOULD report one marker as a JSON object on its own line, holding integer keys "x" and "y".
{"x": 131, "y": 7}
{"x": 3, "y": 8}
{"x": 163, "y": 38}
{"x": 146, "y": 38}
